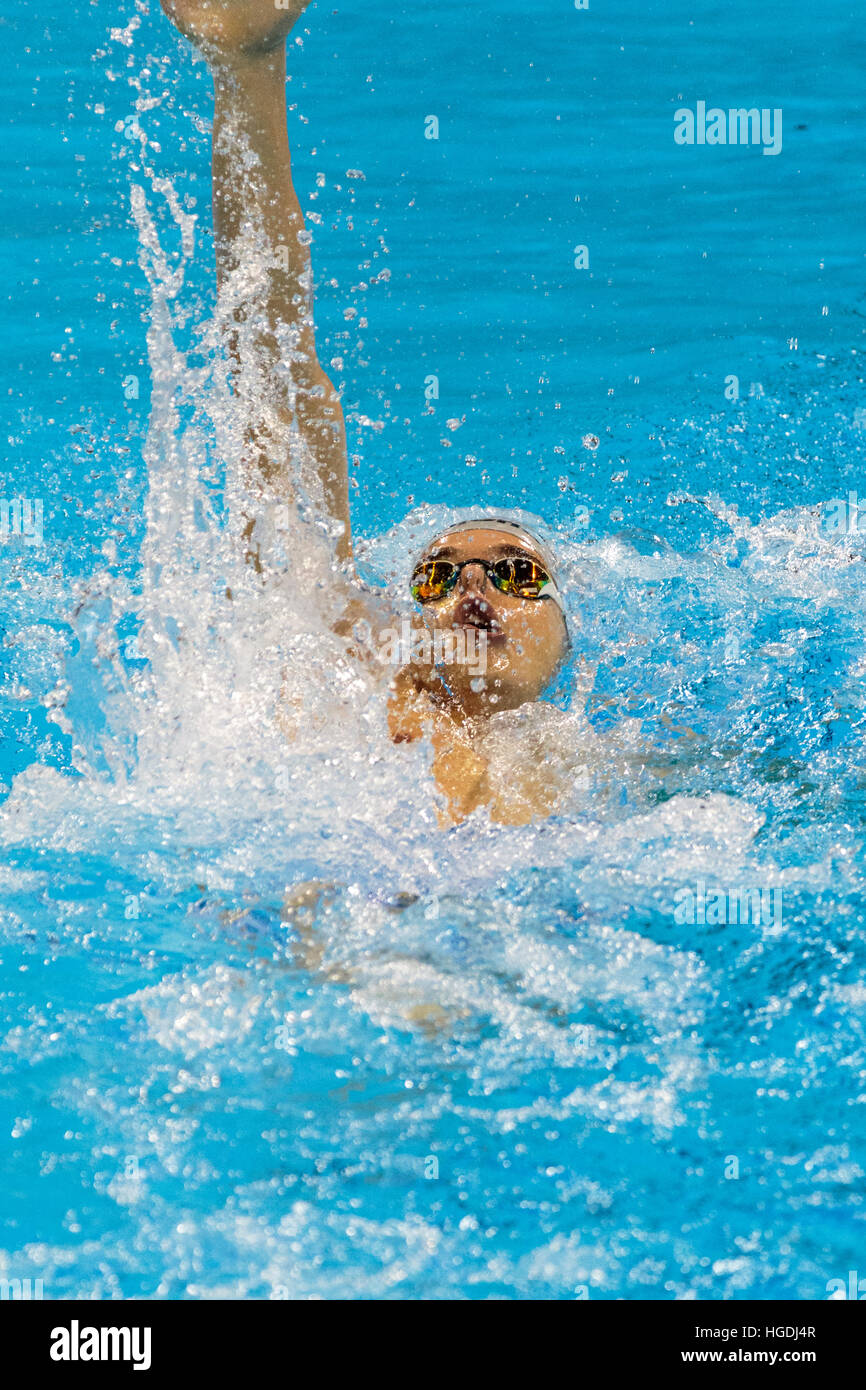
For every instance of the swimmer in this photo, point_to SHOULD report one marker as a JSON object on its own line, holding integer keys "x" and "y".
{"x": 490, "y": 581}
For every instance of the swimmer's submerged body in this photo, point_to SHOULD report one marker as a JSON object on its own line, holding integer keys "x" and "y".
{"x": 489, "y": 582}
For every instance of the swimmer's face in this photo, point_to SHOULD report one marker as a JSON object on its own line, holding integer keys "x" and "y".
{"x": 495, "y": 650}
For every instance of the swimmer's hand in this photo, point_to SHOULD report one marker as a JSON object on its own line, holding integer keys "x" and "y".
{"x": 414, "y": 691}
{"x": 229, "y": 28}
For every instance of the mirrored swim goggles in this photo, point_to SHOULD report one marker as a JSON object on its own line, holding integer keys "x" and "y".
{"x": 521, "y": 576}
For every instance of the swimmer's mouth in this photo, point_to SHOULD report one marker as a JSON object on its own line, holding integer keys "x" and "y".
{"x": 474, "y": 612}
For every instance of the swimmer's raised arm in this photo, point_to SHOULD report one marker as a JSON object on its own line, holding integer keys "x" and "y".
{"x": 244, "y": 43}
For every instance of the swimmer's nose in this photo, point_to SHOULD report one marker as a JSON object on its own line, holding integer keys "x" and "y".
{"x": 474, "y": 608}
{"x": 472, "y": 579}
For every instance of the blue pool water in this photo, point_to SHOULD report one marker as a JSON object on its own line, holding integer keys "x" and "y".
{"x": 493, "y": 1062}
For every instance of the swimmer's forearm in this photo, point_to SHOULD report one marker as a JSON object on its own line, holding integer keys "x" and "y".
{"x": 252, "y": 184}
